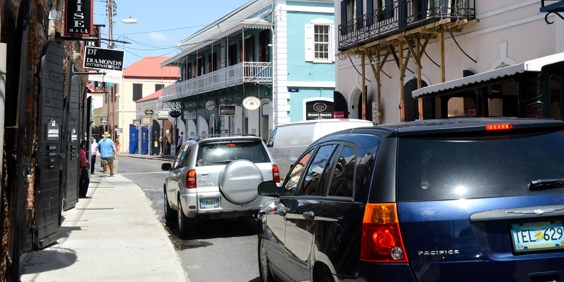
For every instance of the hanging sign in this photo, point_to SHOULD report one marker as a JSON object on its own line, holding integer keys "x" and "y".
{"x": 102, "y": 59}
{"x": 251, "y": 103}
{"x": 78, "y": 18}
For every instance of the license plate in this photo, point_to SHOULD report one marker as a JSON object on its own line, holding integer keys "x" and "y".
{"x": 537, "y": 236}
{"x": 209, "y": 203}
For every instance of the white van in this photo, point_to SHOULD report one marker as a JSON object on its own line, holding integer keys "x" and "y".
{"x": 287, "y": 142}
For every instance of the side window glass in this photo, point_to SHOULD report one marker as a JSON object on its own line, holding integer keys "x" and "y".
{"x": 343, "y": 174}
{"x": 311, "y": 185}
{"x": 180, "y": 158}
{"x": 294, "y": 177}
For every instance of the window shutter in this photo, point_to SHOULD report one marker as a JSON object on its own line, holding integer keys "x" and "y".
{"x": 309, "y": 42}
{"x": 331, "y": 43}
{"x": 343, "y": 18}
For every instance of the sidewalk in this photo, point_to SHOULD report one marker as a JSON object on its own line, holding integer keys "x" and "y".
{"x": 112, "y": 235}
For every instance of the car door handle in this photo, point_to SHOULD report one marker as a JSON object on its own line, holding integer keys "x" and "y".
{"x": 309, "y": 215}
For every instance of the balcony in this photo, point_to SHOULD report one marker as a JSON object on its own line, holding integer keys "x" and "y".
{"x": 401, "y": 16}
{"x": 246, "y": 72}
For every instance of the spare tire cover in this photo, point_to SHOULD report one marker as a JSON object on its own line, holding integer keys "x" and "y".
{"x": 239, "y": 181}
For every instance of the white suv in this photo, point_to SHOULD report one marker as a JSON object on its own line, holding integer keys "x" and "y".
{"x": 216, "y": 178}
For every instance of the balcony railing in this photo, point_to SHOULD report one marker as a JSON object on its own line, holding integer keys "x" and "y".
{"x": 400, "y": 16}
{"x": 258, "y": 72}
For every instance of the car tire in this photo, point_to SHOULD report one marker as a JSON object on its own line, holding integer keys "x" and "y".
{"x": 186, "y": 226}
{"x": 169, "y": 213}
{"x": 323, "y": 274}
{"x": 264, "y": 267}
{"x": 239, "y": 180}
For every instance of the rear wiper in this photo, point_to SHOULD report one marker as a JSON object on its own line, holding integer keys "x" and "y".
{"x": 546, "y": 184}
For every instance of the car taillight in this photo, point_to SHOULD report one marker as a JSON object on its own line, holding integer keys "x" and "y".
{"x": 275, "y": 173}
{"x": 191, "y": 178}
{"x": 381, "y": 236}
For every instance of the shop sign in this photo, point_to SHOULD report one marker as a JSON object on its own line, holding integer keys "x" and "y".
{"x": 79, "y": 18}
{"x": 319, "y": 110}
{"x": 225, "y": 110}
{"x": 251, "y": 103}
{"x": 162, "y": 115}
{"x": 210, "y": 105}
{"x": 102, "y": 59}
{"x": 146, "y": 120}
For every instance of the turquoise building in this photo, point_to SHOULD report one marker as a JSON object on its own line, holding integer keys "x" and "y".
{"x": 269, "y": 62}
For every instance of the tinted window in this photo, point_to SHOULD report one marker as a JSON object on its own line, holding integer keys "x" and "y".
{"x": 343, "y": 174}
{"x": 435, "y": 169}
{"x": 293, "y": 178}
{"x": 181, "y": 157}
{"x": 225, "y": 152}
{"x": 314, "y": 176}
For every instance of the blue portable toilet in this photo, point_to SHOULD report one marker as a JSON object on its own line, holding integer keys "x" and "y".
{"x": 133, "y": 139}
{"x": 144, "y": 140}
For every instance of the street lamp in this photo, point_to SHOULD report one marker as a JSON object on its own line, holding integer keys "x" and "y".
{"x": 174, "y": 114}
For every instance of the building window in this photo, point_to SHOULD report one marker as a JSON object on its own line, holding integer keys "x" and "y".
{"x": 137, "y": 91}
{"x": 321, "y": 41}
{"x": 158, "y": 87}
{"x": 318, "y": 41}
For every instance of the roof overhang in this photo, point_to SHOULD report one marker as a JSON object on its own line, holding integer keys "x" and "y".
{"x": 249, "y": 16}
{"x": 534, "y": 65}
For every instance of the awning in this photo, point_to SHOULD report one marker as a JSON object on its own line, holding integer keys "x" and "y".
{"x": 534, "y": 65}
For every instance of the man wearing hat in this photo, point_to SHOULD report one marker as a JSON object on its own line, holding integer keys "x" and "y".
{"x": 107, "y": 150}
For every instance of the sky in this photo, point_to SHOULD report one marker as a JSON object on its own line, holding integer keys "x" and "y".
{"x": 161, "y": 24}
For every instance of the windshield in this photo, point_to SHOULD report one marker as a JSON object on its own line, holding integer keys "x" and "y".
{"x": 439, "y": 169}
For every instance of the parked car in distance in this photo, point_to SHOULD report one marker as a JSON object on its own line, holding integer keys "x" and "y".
{"x": 216, "y": 178}
{"x": 471, "y": 199}
{"x": 287, "y": 142}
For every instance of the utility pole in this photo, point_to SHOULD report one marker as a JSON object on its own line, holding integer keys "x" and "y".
{"x": 110, "y": 90}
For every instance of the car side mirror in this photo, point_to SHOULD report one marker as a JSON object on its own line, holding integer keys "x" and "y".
{"x": 268, "y": 188}
{"x": 166, "y": 166}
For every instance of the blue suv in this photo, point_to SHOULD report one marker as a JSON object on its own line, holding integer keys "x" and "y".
{"x": 471, "y": 199}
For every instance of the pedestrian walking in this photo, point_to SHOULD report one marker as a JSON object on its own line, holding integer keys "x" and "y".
{"x": 107, "y": 150}
{"x": 84, "y": 166}
{"x": 93, "y": 154}
{"x": 180, "y": 141}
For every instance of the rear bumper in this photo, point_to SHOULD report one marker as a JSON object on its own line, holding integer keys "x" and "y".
{"x": 385, "y": 272}
{"x": 226, "y": 209}
{"x": 548, "y": 269}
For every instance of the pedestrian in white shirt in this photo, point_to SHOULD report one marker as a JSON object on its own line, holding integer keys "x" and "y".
{"x": 93, "y": 154}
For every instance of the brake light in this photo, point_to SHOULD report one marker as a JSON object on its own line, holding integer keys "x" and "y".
{"x": 381, "y": 236}
{"x": 501, "y": 126}
{"x": 191, "y": 178}
{"x": 275, "y": 173}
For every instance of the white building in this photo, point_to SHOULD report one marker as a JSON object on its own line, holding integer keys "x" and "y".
{"x": 390, "y": 48}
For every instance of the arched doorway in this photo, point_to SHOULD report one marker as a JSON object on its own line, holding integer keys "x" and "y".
{"x": 356, "y": 104}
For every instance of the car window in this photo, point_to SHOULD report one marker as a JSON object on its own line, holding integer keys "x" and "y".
{"x": 181, "y": 157}
{"x": 315, "y": 173}
{"x": 293, "y": 178}
{"x": 455, "y": 168}
{"x": 224, "y": 152}
{"x": 342, "y": 184}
